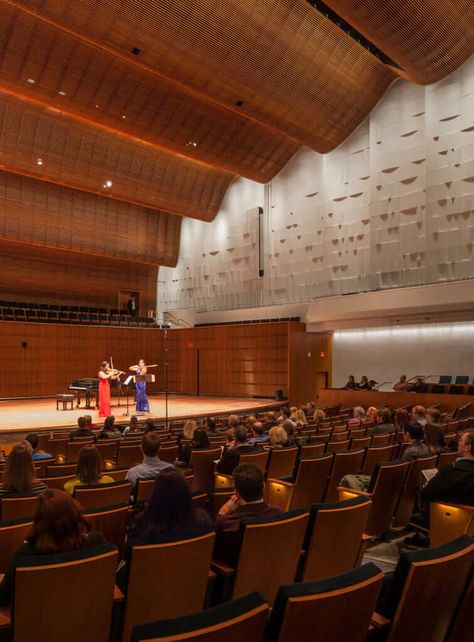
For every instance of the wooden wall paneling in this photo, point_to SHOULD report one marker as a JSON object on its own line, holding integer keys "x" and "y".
{"x": 303, "y": 369}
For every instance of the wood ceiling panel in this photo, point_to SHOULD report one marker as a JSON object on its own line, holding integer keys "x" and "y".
{"x": 85, "y": 156}
{"x": 294, "y": 70}
{"x": 429, "y": 39}
{"x": 58, "y": 218}
{"x": 74, "y": 75}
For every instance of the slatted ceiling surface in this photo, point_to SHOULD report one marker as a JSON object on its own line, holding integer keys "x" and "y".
{"x": 85, "y": 223}
{"x": 105, "y": 88}
{"x": 429, "y": 39}
{"x": 295, "y": 71}
{"x": 76, "y": 154}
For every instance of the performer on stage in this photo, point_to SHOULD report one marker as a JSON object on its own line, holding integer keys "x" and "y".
{"x": 142, "y": 399}
{"x": 105, "y": 373}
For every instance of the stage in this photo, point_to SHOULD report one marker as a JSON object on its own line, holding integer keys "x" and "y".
{"x": 28, "y": 415}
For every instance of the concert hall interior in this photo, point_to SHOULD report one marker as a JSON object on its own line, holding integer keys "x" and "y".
{"x": 237, "y": 320}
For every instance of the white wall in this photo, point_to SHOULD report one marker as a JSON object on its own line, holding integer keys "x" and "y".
{"x": 384, "y": 354}
{"x": 391, "y": 207}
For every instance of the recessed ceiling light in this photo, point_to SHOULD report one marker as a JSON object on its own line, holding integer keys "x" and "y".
{"x": 31, "y": 81}
{"x": 123, "y": 116}
{"x": 97, "y": 106}
{"x": 40, "y": 161}
{"x": 62, "y": 93}
{"x": 108, "y": 183}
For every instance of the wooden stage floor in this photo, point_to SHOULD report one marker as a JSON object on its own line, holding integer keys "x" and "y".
{"x": 41, "y": 414}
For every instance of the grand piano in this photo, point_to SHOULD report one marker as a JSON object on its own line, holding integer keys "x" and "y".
{"x": 88, "y": 387}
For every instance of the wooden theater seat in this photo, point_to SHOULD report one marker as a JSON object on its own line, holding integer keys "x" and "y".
{"x": 169, "y": 453}
{"x": 377, "y": 454}
{"x": 202, "y": 466}
{"x": 426, "y": 587}
{"x": 112, "y": 522}
{"x": 18, "y": 506}
{"x": 129, "y": 455}
{"x": 307, "y": 487}
{"x": 262, "y": 567}
{"x": 219, "y": 497}
{"x": 117, "y": 474}
{"x": 338, "y": 446}
{"x": 12, "y": 536}
{"x": 103, "y": 494}
{"x": 57, "y": 482}
{"x": 281, "y": 462}
{"x": 57, "y": 447}
{"x": 167, "y": 581}
{"x": 385, "y": 488}
{"x": 144, "y": 490}
{"x": 107, "y": 450}
{"x": 60, "y": 470}
{"x": 74, "y": 447}
{"x": 335, "y": 609}
{"x": 461, "y": 625}
{"x": 75, "y": 590}
{"x": 348, "y": 462}
{"x": 334, "y": 539}
{"x": 241, "y": 619}
{"x": 411, "y": 487}
{"x": 257, "y": 459}
{"x": 311, "y": 450}
{"x": 448, "y": 521}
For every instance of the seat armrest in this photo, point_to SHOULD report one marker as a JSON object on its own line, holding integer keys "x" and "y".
{"x": 118, "y": 595}
{"x": 221, "y": 569}
{"x": 349, "y": 493}
{"x": 280, "y": 481}
{"x": 223, "y": 481}
{"x": 379, "y": 621}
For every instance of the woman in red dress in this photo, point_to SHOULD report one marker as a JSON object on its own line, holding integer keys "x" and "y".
{"x": 105, "y": 373}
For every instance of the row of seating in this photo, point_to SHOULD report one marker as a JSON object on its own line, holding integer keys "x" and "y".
{"x": 320, "y": 550}
{"x": 83, "y": 318}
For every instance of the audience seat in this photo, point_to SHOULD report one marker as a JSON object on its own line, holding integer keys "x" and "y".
{"x": 99, "y": 495}
{"x": 241, "y": 619}
{"x": 12, "y": 535}
{"x": 144, "y": 490}
{"x": 376, "y": 454}
{"x": 281, "y": 462}
{"x": 258, "y": 459}
{"x": 202, "y": 466}
{"x": 60, "y": 470}
{"x": 385, "y": 488}
{"x": 334, "y": 541}
{"x": 68, "y": 596}
{"x": 167, "y": 581}
{"x": 448, "y": 521}
{"x": 427, "y": 585}
{"x": 411, "y": 488}
{"x": 57, "y": 482}
{"x": 18, "y": 506}
{"x": 112, "y": 522}
{"x": 57, "y": 447}
{"x": 129, "y": 455}
{"x": 169, "y": 453}
{"x": 107, "y": 450}
{"x": 262, "y": 567}
{"x": 219, "y": 497}
{"x": 307, "y": 488}
{"x": 348, "y": 462}
{"x": 117, "y": 474}
{"x": 328, "y": 610}
{"x": 447, "y": 458}
{"x": 311, "y": 450}
{"x": 461, "y": 625}
{"x": 338, "y": 446}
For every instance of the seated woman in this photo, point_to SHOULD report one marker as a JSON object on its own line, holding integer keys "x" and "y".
{"x": 189, "y": 429}
{"x": 434, "y": 438}
{"x": 364, "y": 384}
{"x": 19, "y": 476}
{"x": 58, "y": 527}
{"x": 351, "y": 383}
{"x": 371, "y": 414}
{"x": 109, "y": 430}
{"x": 299, "y": 417}
{"x": 278, "y": 438}
{"x": 200, "y": 441}
{"x": 88, "y": 470}
{"x": 319, "y": 415}
{"x": 358, "y": 416}
{"x": 170, "y": 516}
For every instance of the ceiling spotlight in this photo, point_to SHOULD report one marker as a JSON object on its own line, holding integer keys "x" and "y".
{"x": 108, "y": 183}
{"x": 40, "y": 161}
{"x": 31, "y": 81}
{"x": 97, "y": 106}
{"x": 62, "y": 93}
{"x": 123, "y": 116}
{"x": 191, "y": 143}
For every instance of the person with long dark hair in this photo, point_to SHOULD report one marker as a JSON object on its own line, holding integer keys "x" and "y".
{"x": 20, "y": 474}
{"x": 88, "y": 471}
{"x": 200, "y": 441}
{"x": 58, "y": 527}
{"x": 170, "y": 516}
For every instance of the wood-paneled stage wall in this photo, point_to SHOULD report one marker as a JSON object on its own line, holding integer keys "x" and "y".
{"x": 251, "y": 359}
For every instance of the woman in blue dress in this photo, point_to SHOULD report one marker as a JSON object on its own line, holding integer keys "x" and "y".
{"x": 142, "y": 399}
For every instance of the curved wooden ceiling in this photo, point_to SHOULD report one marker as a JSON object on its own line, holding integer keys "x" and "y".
{"x": 170, "y": 100}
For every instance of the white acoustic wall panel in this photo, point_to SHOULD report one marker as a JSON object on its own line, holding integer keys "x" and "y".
{"x": 391, "y": 207}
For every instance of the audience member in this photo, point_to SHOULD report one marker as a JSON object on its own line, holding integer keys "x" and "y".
{"x": 415, "y": 437}
{"x": 189, "y": 428}
{"x": 151, "y": 465}
{"x": 37, "y": 454}
{"x": 309, "y": 409}
{"x": 401, "y": 419}
{"x": 249, "y": 422}
{"x": 402, "y": 384}
{"x": 19, "y": 476}
{"x": 109, "y": 429}
{"x": 81, "y": 430}
{"x": 89, "y": 424}
{"x": 319, "y": 415}
{"x": 285, "y": 415}
{"x": 292, "y": 439}
{"x": 211, "y": 426}
{"x": 351, "y": 383}
{"x": 233, "y": 421}
{"x": 371, "y": 414}
{"x": 88, "y": 471}
{"x": 419, "y": 385}
{"x": 230, "y": 458}
{"x": 418, "y": 415}
{"x": 434, "y": 438}
{"x": 358, "y": 416}
{"x": 58, "y": 527}
{"x": 278, "y": 437}
{"x": 269, "y": 420}
{"x": 200, "y": 441}
{"x": 384, "y": 422}
{"x": 363, "y": 384}
{"x": 169, "y": 516}
{"x": 149, "y": 425}
{"x": 259, "y": 436}
{"x": 433, "y": 416}
{"x": 133, "y": 426}
{"x": 246, "y": 503}
{"x": 299, "y": 417}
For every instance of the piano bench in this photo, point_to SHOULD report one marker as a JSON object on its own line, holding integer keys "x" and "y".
{"x": 65, "y": 399}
